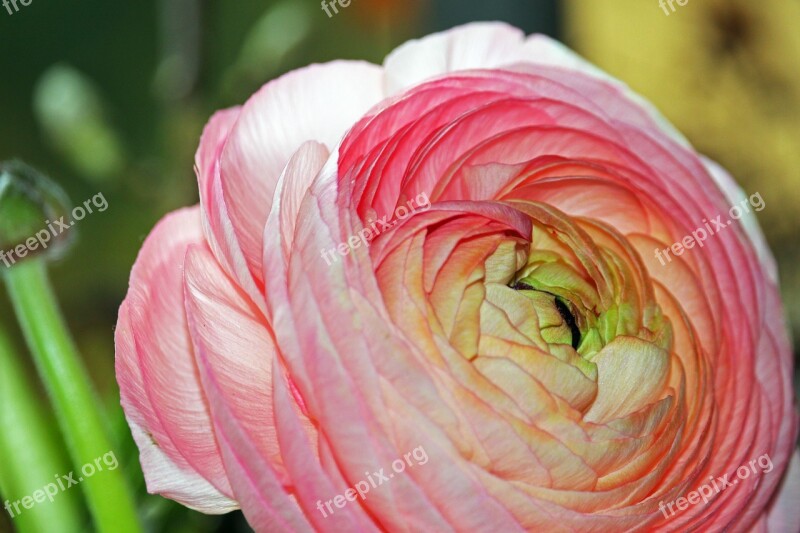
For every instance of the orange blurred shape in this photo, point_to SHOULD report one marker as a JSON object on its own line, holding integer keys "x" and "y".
{"x": 371, "y": 11}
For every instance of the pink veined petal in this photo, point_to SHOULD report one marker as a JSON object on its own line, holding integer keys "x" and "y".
{"x": 238, "y": 348}
{"x": 364, "y": 448}
{"x": 211, "y": 143}
{"x": 491, "y": 45}
{"x": 735, "y": 195}
{"x": 778, "y": 423}
{"x": 297, "y": 177}
{"x": 316, "y": 103}
{"x": 157, "y": 376}
{"x": 313, "y": 483}
{"x": 212, "y": 208}
{"x": 234, "y": 351}
{"x": 277, "y": 249}
{"x": 262, "y": 497}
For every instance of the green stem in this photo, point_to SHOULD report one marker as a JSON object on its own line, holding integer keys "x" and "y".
{"x": 76, "y": 405}
{"x": 32, "y": 455}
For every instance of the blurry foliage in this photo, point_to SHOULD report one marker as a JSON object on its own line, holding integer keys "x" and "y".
{"x": 69, "y": 111}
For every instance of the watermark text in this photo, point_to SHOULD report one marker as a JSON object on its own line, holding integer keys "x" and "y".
{"x": 52, "y": 231}
{"x": 376, "y": 479}
{"x": 366, "y": 235}
{"x": 700, "y": 234}
{"x": 706, "y": 491}
{"x": 327, "y": 5}
{"x": 62, "y": 483}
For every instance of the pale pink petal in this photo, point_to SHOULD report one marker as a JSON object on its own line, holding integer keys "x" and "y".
{"x": 736, "y": 196}
{"x": 543, "y": 50}
{"x": 477, "y": 45}
{"x": 208, "y": 152}
{"x": 237, "y": 346}
{"x": 314, "y": 486}
{"x": 184, "y": 485}
{"x": 216, "y": 222}
{"x": 235, "y": 350}
{"x": 158, "y": 380}
{"x": 297, "y": 177}
{"x": 317, "y": 103}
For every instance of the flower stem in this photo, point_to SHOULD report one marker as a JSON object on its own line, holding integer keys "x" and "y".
{"x": 31, "y": 454}
{"x": 76, "y": 406}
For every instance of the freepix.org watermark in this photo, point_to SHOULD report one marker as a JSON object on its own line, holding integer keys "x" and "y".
{"x": 376, "y": 479}
{"x": 699, "y": 235}
{"x": 664, "y": 3}
{"x": 62, "y": 483}
{"x": 421, "y": 202}
{"x": 9, "y": 3}
{"x": 52, "y": 230}
{"x": 705, "y": 492}
{"x": 327, "y": 5}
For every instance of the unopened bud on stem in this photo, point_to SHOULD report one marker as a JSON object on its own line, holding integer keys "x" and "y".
{"x": 30, "y": 206}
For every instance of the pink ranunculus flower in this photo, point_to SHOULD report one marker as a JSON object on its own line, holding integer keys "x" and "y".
{"x": 452, "y": 255}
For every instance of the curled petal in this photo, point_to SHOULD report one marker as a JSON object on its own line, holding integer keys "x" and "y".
{"x": 158, "y": 379}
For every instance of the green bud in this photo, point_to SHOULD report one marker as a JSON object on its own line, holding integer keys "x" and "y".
{"x": 30, "y": 206}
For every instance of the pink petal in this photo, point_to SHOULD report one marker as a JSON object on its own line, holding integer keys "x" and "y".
{"x": 212, "y": 141}
{"x": 313, "y": 484}
{"x": 158, "y": 379}
{"x": 317, "y": 103}
{"x": 735, "y": 195}
{"x": 237, "y": 348}
{"x": 235, "y": 351}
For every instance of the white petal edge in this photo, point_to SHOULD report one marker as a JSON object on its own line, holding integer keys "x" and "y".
{"x": 186, "y": 486}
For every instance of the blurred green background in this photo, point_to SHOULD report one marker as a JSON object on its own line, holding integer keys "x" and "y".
{"x": 111, "y": 96}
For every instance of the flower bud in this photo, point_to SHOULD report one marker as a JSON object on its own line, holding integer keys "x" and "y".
{"x": 34, "y": 214}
